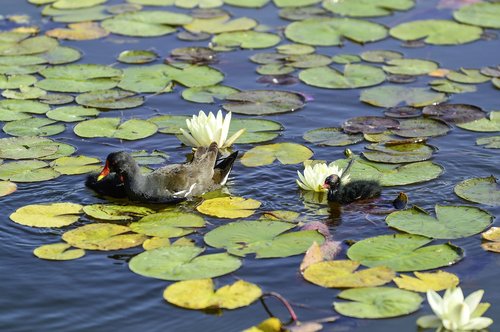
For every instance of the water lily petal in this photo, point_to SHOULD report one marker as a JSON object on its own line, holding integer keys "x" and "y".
{"x": 189, "y": 138}
{"x": 474, "y": 299}
{"x": 234, "y": 137}
{"x": 429, "y": 321}
{"x": 436, "y": 302}
{"x": 478, "y": 323}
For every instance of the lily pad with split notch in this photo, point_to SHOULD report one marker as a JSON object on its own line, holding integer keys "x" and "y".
{"x": 286, "y": 153}
{"x": 369, "y": 124}
{"x": 421, "y": 127}
{"x": 447, "y": 86}
{"x": 483, "y": 14}
{"x": 47, "y": 215}
{"x": 62, "y": 55}
{"x": 113, "y": 212}
{"x": 110, "y": 99}
{"x": 168, "y": 224}
{"x": 114, "y": 127}
{"x": 14, "y": 109}
{"x": 404, "y": 252}
{"x": 105, "y": 237}
{"x": 220, "y": 24}
{"x": 58, "y": 252}
{"x": 137, "y": 56}
{"x": 410, "y": 66}
{"x": 256, "y": 130}
{"x": 72, "y": 113}
{"x": 229, "y": 207}
{"x": 263, "y": 102}
{"x": 27, "y": 171}
{"x": 308, "y": 60}
{"x": 354, "y": 76}
{"x": 246, "y": 39}
{"x": 490, "y": 124}
{"x": 367, "y": 8}
{"x": 479, "y": 190}
{"x": 391, "y": 96}
{"x": 208, "y": 94}
{"x": 25, "y": 147}
{"x": 424, "y": 281}
{"x": 276, "y": 69}
{"x": 469, "y": 76}
{"x": 295, "y": 49}
{"x": 398, "y": 153}
{"x": 25, "y": 92}
{"x": 332, "y": 137}
{"x": 76, "y": 165}
{"x": 302, "y": 13}
{"x": 33, "y": 127}
{"x": 194, "y": 55}
{"x": 182, "y": 263}
{"x": 454, "y": 113}
{"x": 403, "y": 112}
{"x": 267, "y": 239}
{"x": 491, "y": 142}
{"x": 380, "y": 56}
{"x": 345, "y": 59}
{"x": 16, "y": 81}
{"x": 29, "y": 46}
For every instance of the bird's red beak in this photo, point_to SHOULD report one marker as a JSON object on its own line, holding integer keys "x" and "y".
{"x": 326, "y": 186}
{"x": 104, "y": 172}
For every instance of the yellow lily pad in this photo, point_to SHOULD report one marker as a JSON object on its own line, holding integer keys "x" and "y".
{"x": 58, "y": 252}
{"x": 47, "y": 215}
{"x": 272, "y": 324}
{"x": 425, "y": 281}
{"x": 79, "y": 31}
{"x": 103, "y": 237}
{"x": 200, "y": 294}
{"x": 156, "y": 242}
{"x": 492, "y": 234}
{"x": 286, "y": 153}
{"x": 229, "y": 207}
{"x": 7, "y": 188}
{"x": 116, "y": 212}
{"x": 341, "y": 274}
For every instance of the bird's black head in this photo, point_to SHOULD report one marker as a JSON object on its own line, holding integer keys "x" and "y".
{"x": 120, "y": 163}
{"x": 332, "y": 182}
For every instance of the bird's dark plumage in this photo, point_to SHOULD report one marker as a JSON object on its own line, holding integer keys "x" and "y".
{"x": 351, "y": 191}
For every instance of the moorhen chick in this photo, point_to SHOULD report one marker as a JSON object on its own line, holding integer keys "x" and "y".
{"x": 350, "y": 191}
{"x": 168, "y": 184}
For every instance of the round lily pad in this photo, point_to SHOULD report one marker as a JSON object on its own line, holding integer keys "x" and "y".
{"x": 483, "y": 125}
{"x": 29, "y": 46}
{"x": 26, "y": 147}
{"x": 492, "y": 142}
{"x": 354, "y": 76}
{"x": 469, "y": 76}
{"x": 167, "y": 224}
{"x": 332, "y": 137}
{"x": 116, "y": 212}
{"x": 380, "y": 56}
{"x": 113, "y": 127}
{"x": 256, "y": 130}
{"x": 63, "y": 150}
{"x": 194, "y": 55}
{"x": 76, "y": 165}
{"x": 377, "y": 302}
{"x": 364, "y": 8}
{"x": 208, "y": 94}
{"x": 369, "y": 124}
{"x": 295, "y": 49}
{"x": 403, "y": 112}
{"x": 455, "y": 113}
{"x": 61, "y": 55}
{"x": 332, "y": 31}
{"x": 285, "y": 153}
{"x": 69, "y": 4}
{"x": 391, "y": 96}
{"x": 483, "y": 14}
{"x": 398, "y": 153}
{"x": 404, "y": 252}
{"x": 25, "y": 92}
{"x": 27, "y": 171}
{"x": 274, "y": 69}
{"x": 72, "y": 113}
{"x": 479, "y": 190}
{"x": 170, "y": 124}
{"x": 425, "y": 281}
{"x": 79, "y": 31}
{"x": 103, "y": 237}
{"x": 33, "y": 127}
{"x": 346, "y": 58}
{"x": 447, "y": 86}
{"x": 220, "y": 24}
{"x": 302, "y": 13}
{"x": 410, "y": 66}
{"x": 229, "y": 207}
{"x": 47, "y": 215}
{"x": 7, "y": 188}
{"x": 246, "y": 39}
{"x": 451, "y": 222}
{"x": 145, "y": 79}
{"x": 421, "y": 127}
{"x": 182, "y": 263}
{"x": 137, "y": 56}
{"x": 110, "y": 99}
{"x": 263, "y": 102}
{"x": 264, "y": 238}
{"x": 95, "y": 13}
{"x": 16, "y": 81}
{"x": 58, "y": 252}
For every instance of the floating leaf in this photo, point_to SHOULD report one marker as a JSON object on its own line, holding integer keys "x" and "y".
{"x": 484, "y": 125}
{"x": 377, "y": 302}
{"x": 331, "y": 31}
{"x": 26, "y": 147}
{"x": 380, "y": 56}
{"x": 263, "y": 102}
{"x": 137, "y": 56}
{"x": 62, "y": 55}
{"x": 25, "y": 92}
{"x": 367, "y": 8}
{"x": 354, "y": 76}
{"x": 437, "y": 281}
{"x": 492, "y": 142}
{"x": 256, "y": 130}
{"x": 342, "y": 274}
{"x": 182, "y": 263}
{"x": 246, "y": 39}
{"x": 47, "y": 215}
{"x": 483, "y": 14}
{"x": 113, "y": 127}
{"x": 72, "y": 113}
{"x": 76, "y": 165}
{"x": 455, "y": 113}
{"x": 208, "y": 94}
{"x": 58, "y": 252}
{"x": 331, "y": 137}
{"x": 167, "y": 224}
{"x": 450, "y": 87}
{"x": 220, "y": 24}
{"x": 62, "y": 150}
{"x": 79, "y": 31}
{"x": 170, "y": 124}
{"x": 295, "y": 49}
{"x": 264, "y": 238}
{"x": 33, "y": 127}
{"x": 247, "y": 3}
{"x": 493, "y": 234}
{"x": 410, "y": 66}
{"x": 27, "y": 171}
{"x": 103, "y": 237}
{"x": 467, "y": 76}
{"x": 421, "y": 127}
{"x": 479, "y": 190}
{"x": 29, "y": 46}
{"x": 96, "y": 13}
{"x": 70, "y": 4}
{"x": 116, "y": 212}
{"x": 391, "y": 96}
{"x": 200, "y": 294}
{"x": 7, "y": 188}
{"x": 229, "y": 207}
{"x": 16, "y": 81}
{"x": 398, "y": 153}
{"x": 294, "y": 3}
{"x": 285, "y": 153}
{"x": 272, "y": 324}
{"x": 437, "y": 32}
{"x": 403, "y": 252}
{"x": 451, "y": 222}
{"x": 369, "y": 124}
{"x": 110, "y": 99}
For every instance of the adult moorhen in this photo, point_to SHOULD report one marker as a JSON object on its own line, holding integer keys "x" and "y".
{"x": 121, "y": 177}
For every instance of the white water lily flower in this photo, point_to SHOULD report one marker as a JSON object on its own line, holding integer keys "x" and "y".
{"x": 205, "y": 129}
{"x": 454, "y": 313}
{"x": 314, "y": 176}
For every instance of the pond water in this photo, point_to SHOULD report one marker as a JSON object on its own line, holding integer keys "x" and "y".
{"x": 99, "y": 293}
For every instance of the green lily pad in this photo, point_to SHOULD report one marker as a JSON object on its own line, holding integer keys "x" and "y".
{"x": 285, "y": 153}
{"x": 295, "y": 49}
{"x": 367, "y": 8}
{"x": 392, "y": 95}
{"x": 354, "y": 76}
{"x": 437, "y": 32}
{"x": 29, "y": 46}
{"x": 116, "y": 212}
{"x": 72, "y": 113}
{"x": 58, "y": 252}
{"x": 484, "y": 125}
{"x": 247, "y": 3}
{"x": 22, "y": 60}
{"x": 194, "y": 55}
{"x": 167, "y": 224}
{"x": 16, "y": 81}
{"x": 220, "y": 24}
{"x": 369, "y": 124}
{"x": 377, "y": 302}
{"x": 182, "y": 263}
{"x": 263, "y": 102}
{"x": 451, "y": 87}
{"x": 269, "y": 58}
{"x": 469, "y": 76}
{"x": 264, "y": 238}
{"x": 7, "y": 188}
{"x": 483, "y": 14}
{"x": 79, "y": 78}
{"x": 110, "y": 99}
{"x": 76, "y": 165}
{"x": 308, "y": 60}
{"x": 56, "y": 99}
{"x": 451, "y": 222}
{"x": 47, "y": 215}
{"x": 331, "y": 31}
{"x": 170, "y": 124}
{"x": 332, "y": 137}
{"x": 20, "y": 70}
{"x": 70, "y": 4}
{"x": 246, "y": 39}
{"x": 404, "y": 252}
{"x": 346, "y": 58}
{"x": 145, "y": 79}
{"x": 492, "y": 142}
{"x": 380, "y": 56}
{"x": 11, "y": 110}
{"x": 421, "y": 127}
{"x": 195, "y": 76}
{"x": 275, "y": 69}
{"x": 398, "y": 153}
{"x": 144, "y": 158}
{"x": 113, "y": 127}
{"x": 103, "y": 237}
{"x": 256, "y": 130}
{"x": 26, "y": 147}
{"x": 63, "y": 150}
{"x": 25, "y": 92}
{"x": 27, "y": 171}
{"x": 153, "y": 2}
{"x": 455, "y": 113}
{"x": 137, "y": 56}
{"x": 208, "y": 94}
{"x": 61, "y": 55}
{"x": 410, "y": 66}
{"x": 96, "y": 13}
{"x": 479, "y": 190}
{"x": 33, "y": 127}
{"x": 294, "y": 3}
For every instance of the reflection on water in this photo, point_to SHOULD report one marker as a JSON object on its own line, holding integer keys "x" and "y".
{"x": 99, "y": 293}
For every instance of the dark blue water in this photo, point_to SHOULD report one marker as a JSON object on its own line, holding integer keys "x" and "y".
{"x": 99, "y": 293}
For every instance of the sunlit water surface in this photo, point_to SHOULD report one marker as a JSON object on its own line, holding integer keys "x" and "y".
{"x": 99, "y": 293}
